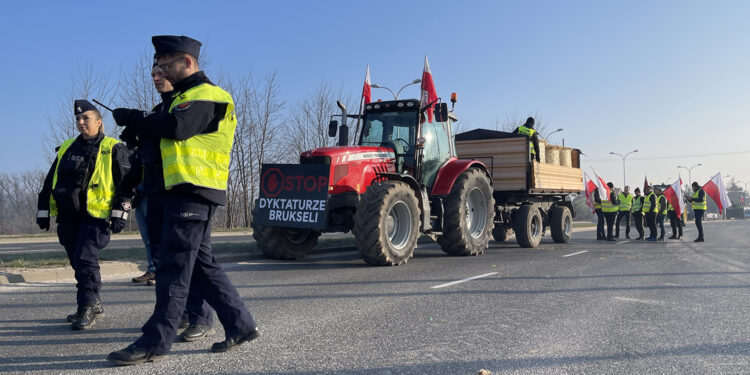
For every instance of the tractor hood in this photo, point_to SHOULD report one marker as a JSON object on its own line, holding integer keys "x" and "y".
{"x": 345, "y": 154}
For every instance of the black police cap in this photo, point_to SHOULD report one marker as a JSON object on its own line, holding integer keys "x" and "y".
{"x": 164, "y": 44}
{"x": 82, "y": 105}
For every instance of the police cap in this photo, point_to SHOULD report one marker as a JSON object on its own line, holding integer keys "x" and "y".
{"x": 82, "y": 105}
{"x": 164, "y": 44}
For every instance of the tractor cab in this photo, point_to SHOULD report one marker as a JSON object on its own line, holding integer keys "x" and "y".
{"x": 420, "y": 147}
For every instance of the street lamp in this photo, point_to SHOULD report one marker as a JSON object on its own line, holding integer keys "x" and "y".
{"x": 395, "y": 95}
{"x": 690, "y": 177}
{"x": 550, "y": 134}
{"x": 623, "y": 164}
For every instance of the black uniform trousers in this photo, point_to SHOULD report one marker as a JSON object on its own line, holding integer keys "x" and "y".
{"x": 660, "y": 222}
{"x": 610, "y": 216}
{"x": 675, "y": 223}
{"x": 699, "y": 221}
{"x": 186, "y": 264}
{"x": 600, "y": 234}
{"x": 620, "y": 216}
{"x": 651, "y": 223}
{"x": 638, "y": 216}
{"x": 83, "y": 236}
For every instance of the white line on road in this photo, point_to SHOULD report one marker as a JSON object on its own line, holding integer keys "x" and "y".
{"x": 580, "y": 252}
{"x": 622, "y": 242}
{"x": 463, "y": 280}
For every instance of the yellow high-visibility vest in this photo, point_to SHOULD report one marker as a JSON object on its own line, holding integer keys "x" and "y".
{"x": 661, "y": 205}
{"x": 203, "y": 159}
{"x": 647, "y": 202}
{"x": 637, "y": 204}
{"x": 626, "y": 202}
{"x": 608, "y": 206}
{"x": 100, "y": 191}
{"x": 529, "y": 132}
{"x": 699, "y": 205}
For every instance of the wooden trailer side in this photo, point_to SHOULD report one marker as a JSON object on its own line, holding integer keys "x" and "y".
{"x": 504, "y": 157}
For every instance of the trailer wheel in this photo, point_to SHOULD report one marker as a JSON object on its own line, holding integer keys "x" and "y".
{"x": 469, "y": 214}
{"x": 284, "y": 243}
{"x": 500, "y": 232}
{"x": 386, "y": 224}
{"x": 561, "y": 224}
{"x": 528, "y": 226}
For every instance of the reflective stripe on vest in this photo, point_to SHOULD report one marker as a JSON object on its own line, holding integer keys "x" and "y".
{"x": 101, "y": 189}
{"x": 637, "y": 204}
{"x": 597, "y": 206}
{"x": 669, "y": 207}
{"x": 626, "y": 202}
{"x": 528, "y": 132}
{"x": 608, "y": 206}
{"x": 661, "y": 204}
{"x": 698, "y": 205}
{"x": 647, "y": 202}
{"x": 203, "y": 159}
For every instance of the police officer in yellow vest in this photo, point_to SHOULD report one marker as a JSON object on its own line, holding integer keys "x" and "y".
{"x": 698, "y": 200}
{"x": 626, "y": 204}
{"x": 528, "y": 130}
{"x": 196, "y": 140}
{"x": 661, "y": 211}
{"x": 637, "y": 212}
{"x": 609, "y": 209}
{"x": 81, "y": 190}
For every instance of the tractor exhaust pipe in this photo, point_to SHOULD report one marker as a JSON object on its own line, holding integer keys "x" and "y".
{"x": 343, "y": 129}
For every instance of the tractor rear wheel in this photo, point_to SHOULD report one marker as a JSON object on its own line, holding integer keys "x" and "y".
{"x": 386, "y": 224}
{"x": 469, "y": 213}
{"x": 284, "y": 243}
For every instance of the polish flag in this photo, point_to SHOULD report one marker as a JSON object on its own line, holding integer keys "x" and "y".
{"x": 429, "y": 94}
{"x": 645, "y": 184}
{"x": 366, "y": 90}
{"x": 588, "y": 187}
{"x": 603, "y": 188}
{"x": 672, "y": 192}
{"x": 715, "y": 189}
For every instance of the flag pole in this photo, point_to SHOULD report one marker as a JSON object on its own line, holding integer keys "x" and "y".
{"x": 359, "y": 117}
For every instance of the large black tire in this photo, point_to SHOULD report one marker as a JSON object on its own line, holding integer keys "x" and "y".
{"x": 284, "y": 243}
{"x": 561, "y": 224}
{"x": 528, "y": 226}
{"x": 500, "y": 233}
{"x": 386, "y": 224}
{"x": 469, "y": 214}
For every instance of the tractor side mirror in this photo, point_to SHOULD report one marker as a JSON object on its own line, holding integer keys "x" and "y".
{"x": 441, "y": 112}
{"x": 332, "y": 126}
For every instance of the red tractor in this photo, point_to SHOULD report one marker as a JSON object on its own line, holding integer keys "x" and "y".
{"x": 402, "y": 179}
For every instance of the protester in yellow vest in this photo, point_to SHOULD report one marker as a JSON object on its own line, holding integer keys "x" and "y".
{"x": 528, "y": 130}
{"x": 674, "y": 222}
{"x": 637, "y": 212}
{"x": 626, "y": 204}
{"x": 609, "y": 209}
{"x": 650, "y": 207}
{"x": 661, "y": 211}
{"x": 81, "y": 191}
{"x": 601, "y": 234}
{"x": 698, "y": 201}
{"x": 197, "y": 133}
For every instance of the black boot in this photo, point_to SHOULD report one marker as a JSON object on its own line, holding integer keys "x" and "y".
{"x": 233, "y": 342}
{"x": 98, "y": 310}
{"x": 133, "y": 355}
{"x": 87, "y": 316}
{"x": 196, "y": 332}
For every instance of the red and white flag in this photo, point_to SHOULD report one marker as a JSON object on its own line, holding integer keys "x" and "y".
{"x": 715, "y": 189}
{"x": 366, "y": 90}
{"x": 588, "y": 187}
{"x": 674, "y": 196}
{"x": 429, "y": 94}
{"x": 603, "y": 188}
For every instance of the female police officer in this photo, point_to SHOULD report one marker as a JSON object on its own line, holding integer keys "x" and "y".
{"x": 80, "y": 189}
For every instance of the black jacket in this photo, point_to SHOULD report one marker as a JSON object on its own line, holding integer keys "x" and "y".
{"x": 534, "y": 140}
{"x": 198, "y": 117}
{"x": 75, "y": 172}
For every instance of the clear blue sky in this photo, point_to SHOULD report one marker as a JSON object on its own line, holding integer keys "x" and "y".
{"x": 670, "y": 78}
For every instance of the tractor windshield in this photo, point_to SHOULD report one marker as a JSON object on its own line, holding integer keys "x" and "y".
{"x": 385, "y": 128}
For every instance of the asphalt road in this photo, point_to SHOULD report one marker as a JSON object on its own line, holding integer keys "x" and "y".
{"x": 585, "y": 307}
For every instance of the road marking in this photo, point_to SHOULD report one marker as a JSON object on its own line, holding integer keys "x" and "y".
{"x": 622, "y": 242}
{"x": 580, "y": 252}
{"x": 637, "y": 300}
{"x": 464, "y": 280}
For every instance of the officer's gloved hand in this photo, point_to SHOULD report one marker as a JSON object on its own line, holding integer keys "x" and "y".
{"x": 43, "y": 223}
{"x": 126, "y": 116}
{"x": 130, "y": 137}
{"x": 117, "y": 224}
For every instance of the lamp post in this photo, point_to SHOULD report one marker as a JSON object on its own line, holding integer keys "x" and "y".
{"x": 690, "y": 177}
{"x": 395, "y": 95}
{"x": 623, "y": 164}
{"x": 550, "y": 134}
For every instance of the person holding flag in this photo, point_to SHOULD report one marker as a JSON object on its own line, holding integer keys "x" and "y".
{"x": 674, "y": 222}
{"x": 675, "y": 207}
{"x": 636, "y": 211}
{"x": 698, "y": 201}
{"x": 610, "y": 207}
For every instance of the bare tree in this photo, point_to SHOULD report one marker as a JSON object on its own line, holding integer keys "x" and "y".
{"x": 86, "y": 84}
{"x": 136, "y": 87}
{"x": 514, "y": 119}
{"x": 18, "y": 198}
